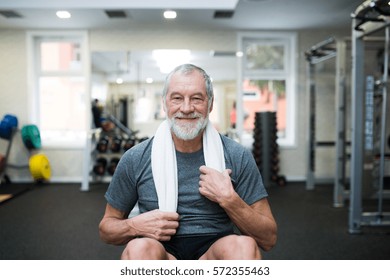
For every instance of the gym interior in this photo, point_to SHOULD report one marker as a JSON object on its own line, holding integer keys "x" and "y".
{"x": 302, "y": 84}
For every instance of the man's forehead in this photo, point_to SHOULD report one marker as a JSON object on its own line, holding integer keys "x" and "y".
{"x": 187, "y": 81}
{"x": 192, "y": 74}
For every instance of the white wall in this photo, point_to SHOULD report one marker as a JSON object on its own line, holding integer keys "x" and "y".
{"x": 13, "y": 89}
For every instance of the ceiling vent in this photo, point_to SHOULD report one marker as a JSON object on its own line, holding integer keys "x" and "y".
{"x": 223, "y": 14}
{"x": 9, "y": 14}
{"x": 222, "y": 53}
{"x": 116, "y": 13}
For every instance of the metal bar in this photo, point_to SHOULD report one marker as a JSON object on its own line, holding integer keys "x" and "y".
{"x": 311, "y": 128}
{"x": 322, "y": 44}
{"x": 373, "y": 28}
{"x": 15, "y": 166}
{"x": 375, "y": 219}
{"x": 383, "y": 121}
{"x": 323, "y": 58}
{"x": 357, "y": 98}
{"x": 120, "y": 125}
{"x": 339, "y": 182}
{"x": 13, "y": 132}
{"x": 325, "y": 143}
{"x": 92, "y": 135}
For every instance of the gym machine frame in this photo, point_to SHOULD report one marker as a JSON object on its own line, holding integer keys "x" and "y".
{"x": 325, "y": 50}
{"x": 364, "y": 16}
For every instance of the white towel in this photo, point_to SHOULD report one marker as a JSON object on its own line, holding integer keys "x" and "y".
{"x": 164, "y": 166}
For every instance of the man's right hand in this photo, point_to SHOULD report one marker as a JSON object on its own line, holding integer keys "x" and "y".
{"x": 155, "y": 224}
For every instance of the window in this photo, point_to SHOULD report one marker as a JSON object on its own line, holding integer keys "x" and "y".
{"x": 60, "y": 103}
{"x": 267, "y": 82}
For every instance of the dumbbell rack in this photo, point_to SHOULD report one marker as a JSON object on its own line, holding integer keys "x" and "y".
{"x": 94, "y": 170}
{"x": 266, "y": 149}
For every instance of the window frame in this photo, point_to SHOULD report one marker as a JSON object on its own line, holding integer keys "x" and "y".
{"x": 289, "y": 40}
{"x": 34, "y": 39}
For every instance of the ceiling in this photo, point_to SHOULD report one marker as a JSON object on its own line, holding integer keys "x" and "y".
{"x": 247, "y": 14}
{"x": 233, "y": 15}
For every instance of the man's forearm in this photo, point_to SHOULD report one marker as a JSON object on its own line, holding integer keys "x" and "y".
{"x": 115, "y": 231}
{"x": 251, "y": 221}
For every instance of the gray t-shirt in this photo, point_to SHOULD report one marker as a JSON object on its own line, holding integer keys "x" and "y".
{"x": 133, "y": 181}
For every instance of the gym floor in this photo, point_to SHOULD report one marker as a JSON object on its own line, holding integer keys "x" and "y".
{"x": 59, "y": 222}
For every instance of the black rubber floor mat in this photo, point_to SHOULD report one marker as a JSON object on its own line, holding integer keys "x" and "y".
{"x": 9, "y": 191}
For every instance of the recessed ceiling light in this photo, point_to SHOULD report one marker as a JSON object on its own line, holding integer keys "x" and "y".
{"x": 63, "y": 14}
{"x": 168, "y": 59}
{"x": 169, "y": 14}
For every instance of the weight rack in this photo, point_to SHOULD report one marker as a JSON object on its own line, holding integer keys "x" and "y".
{"x": 369, "y": 18}
{"x": 266, "y": 149}
{"x": 104, "y": 150}
{"x": 321, "y": 52}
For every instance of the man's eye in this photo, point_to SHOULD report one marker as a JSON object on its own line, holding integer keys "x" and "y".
{"x": 197, "y": 99}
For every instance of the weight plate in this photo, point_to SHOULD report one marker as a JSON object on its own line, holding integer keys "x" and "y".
{"x": 5, "y": 131}
{"x": 11, "y": 120}
{"x": 40, "y": 167}
{"x": 8, "y": 123}
{"x": 31, "y": 136}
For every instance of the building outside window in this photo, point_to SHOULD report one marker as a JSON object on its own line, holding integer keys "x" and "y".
{"x": 268, "y": 82}
{"x": 60, "y": 99}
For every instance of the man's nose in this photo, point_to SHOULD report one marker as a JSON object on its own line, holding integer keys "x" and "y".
{"x": 186, "y": 106}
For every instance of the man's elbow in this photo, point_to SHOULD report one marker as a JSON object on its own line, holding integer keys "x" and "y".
{"x": 271, "y": 241}
{"x": 270, "y": 244}
{"x": 102, "y": 233}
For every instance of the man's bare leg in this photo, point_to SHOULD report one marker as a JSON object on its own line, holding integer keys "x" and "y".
{"x": 233, "y": 247}
{"x": 145, "y": 249}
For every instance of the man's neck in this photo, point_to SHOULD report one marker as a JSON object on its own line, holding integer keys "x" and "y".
{"x": 188, "y": 146}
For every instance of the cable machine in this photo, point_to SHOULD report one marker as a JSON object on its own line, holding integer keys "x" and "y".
{"x": 370, "y": 18}
{"x": 323, "y": 51}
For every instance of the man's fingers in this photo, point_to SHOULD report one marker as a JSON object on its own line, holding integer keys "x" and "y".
{"x": 170, "y": 216}
{"x": 227, "y": 172}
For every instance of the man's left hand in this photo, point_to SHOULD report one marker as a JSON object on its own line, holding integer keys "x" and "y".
{"x": 215, "y": 185}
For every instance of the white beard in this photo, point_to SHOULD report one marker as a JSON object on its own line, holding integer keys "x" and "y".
{"x": 187, "y": 131}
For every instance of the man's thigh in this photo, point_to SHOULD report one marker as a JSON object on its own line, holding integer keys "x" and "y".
{"x": 233, "y": 247}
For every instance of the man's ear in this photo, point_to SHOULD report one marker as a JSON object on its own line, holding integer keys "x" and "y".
{"x": 211, "y": 105}
{"x": 164, "y": 104}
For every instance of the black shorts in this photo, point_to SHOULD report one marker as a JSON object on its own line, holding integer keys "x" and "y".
{"x": 191, "y": 247}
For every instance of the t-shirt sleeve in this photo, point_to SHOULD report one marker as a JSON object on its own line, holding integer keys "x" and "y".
{"x": 246, "y": 177}
{"x": 122, "y": 191}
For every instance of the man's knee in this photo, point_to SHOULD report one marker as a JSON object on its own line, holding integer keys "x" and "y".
{"x": 144, "y": 249}
{"x": 244, "y": 247}
{"x": 235, "y": 247}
